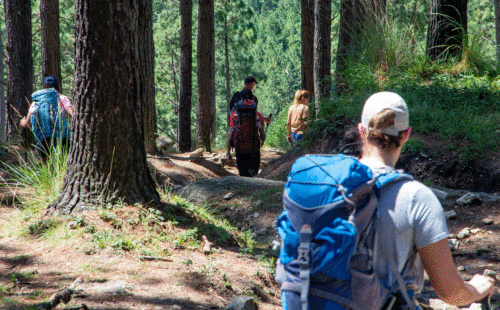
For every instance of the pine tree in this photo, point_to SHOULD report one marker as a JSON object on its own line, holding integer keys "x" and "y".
{"x": 20, "y": 66}
{"x": 447, "y": 29}
{"x": 186, "y": 76}
{"x": 322, "y": 50}
{"x": 147, "y": 57}
{"x": 3, "y": 107}
{"x": 307, "y": 35}
{"x": 497, "y": 29}
{"x": 205, "y": 112}
{"x": 51, "y": 56}
{"x": 107, "y": 160}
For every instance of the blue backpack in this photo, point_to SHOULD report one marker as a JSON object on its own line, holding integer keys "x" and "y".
{"x": 47, "y": 121}
{"x": 328, "y": 234}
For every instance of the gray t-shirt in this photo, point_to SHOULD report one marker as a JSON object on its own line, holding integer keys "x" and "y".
{"x": 410, "y": 217}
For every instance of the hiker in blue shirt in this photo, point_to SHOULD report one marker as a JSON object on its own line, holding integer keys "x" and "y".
{"x": 48, "y": 117}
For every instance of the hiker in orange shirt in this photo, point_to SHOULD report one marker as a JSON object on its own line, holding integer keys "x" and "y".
{"x": 298, "y": 115}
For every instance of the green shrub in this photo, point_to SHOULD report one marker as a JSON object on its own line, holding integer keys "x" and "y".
{"x": 189, "y": 238}
{"x": 276, "y": 132}
{"x": 123, "y": 244}
{"x": 413, "y": 146}
{"x": 42, "y": 180}
{"x": 41, "y": 227}
{"x": 103, "y": 238}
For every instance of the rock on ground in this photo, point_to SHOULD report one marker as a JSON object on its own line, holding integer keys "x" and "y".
{"x": 203, "y": 191}
{"x": 242, "y": 303}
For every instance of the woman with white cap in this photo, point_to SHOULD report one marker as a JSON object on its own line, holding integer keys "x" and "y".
{"x": 411, "y": 222}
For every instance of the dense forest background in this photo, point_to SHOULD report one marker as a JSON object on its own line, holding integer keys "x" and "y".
{"x": 264, "y": 39}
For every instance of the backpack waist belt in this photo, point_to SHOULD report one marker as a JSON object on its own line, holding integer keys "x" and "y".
{"x": 296, "y": 287}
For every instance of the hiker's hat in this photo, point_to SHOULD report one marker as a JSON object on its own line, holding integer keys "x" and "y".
{"x": 250, "y": 79}
{"x": 386, "y": 100}
{"x": 50, "y": 80}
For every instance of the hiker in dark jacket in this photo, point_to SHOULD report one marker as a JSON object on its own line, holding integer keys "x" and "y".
{"x": 247, "y": 92}
{"x": 248, "y": 157}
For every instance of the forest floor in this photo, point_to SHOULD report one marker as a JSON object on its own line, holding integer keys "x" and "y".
{"x": 32, "y": 268}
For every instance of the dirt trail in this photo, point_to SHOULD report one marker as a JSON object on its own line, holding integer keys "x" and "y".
{"x": 32, "y": 269}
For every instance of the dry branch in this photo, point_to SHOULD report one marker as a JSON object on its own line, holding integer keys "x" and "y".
{"x": 63, "y": 296}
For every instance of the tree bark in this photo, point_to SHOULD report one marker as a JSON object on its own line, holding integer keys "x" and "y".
{"x": 50, "y": 45}
{"x": 307, "y": 36}
{"x": 322, "y": 51}
{"x": 3, "y": 107}
{"x": 20, "y": 66}
{"x": 228, "y": 77}
{"x": 358, "y": 18}
{"x": 186, "y": 76}
{"x": 205, "y": 112}
{"x": 377, "y": 9}
{"x": 107, "y": 160}
{"x": 345, "y": 45}
{"x": 497, "y": 28}
{"x": 447, "y": 28}
{"x": 147, "y": 57}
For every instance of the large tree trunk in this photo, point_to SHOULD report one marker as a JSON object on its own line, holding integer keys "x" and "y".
{"x": 205, "y": 112}
{"x": 376, "y": 9}
{"x": 447, "y": 28}
{"x": 186, "y": 78}
{"x": 307, "y": 36}
{"x": 147, "y": 57}
{"x": 497, "y": 28}
{"x": 51, "y": 56}
{"x": 3, "y": 107}
{"x": 345, "y": 45}
{"x": 228, "y": 77}
{"x": 107, "y": 160}
{"x": 322, "y": 51}
{"x": 356, "y": 17}
{"x": 20, "y": 66}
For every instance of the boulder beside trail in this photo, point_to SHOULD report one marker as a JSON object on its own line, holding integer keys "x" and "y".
{"x": 462, "y": 197}
{"x": 164, "y": 142}
{"x": 242, "y": 303}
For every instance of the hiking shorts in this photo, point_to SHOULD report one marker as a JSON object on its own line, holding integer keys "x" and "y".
{"x": 248, "y": 164}
{"x": 297, "y": 137}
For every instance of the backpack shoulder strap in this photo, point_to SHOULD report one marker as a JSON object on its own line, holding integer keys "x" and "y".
{"x": 388, "y": 175}
{"x": 391, "y": 176}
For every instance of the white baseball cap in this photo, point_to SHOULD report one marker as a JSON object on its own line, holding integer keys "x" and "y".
{"x": 382, "y": 101}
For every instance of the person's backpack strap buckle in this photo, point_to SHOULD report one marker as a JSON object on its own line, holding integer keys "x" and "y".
{"x": 304, "y": 261}
{"x": 304, "y": 257}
